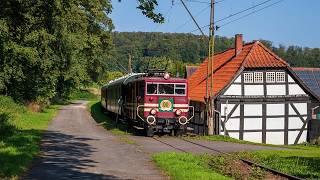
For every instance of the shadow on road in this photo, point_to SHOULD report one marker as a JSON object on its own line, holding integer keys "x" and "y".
{"x": 65, "y": 157}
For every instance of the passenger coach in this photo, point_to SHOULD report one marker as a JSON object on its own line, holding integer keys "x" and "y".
{"x": 151, "y": 101}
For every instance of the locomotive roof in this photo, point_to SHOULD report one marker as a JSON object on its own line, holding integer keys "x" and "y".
{"x": 125, "y": 79}
{"x": 144, "y": 76}
{"x": 162, "y": 79}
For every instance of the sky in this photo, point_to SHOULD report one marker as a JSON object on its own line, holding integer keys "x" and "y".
{"x": 288, "y": 22}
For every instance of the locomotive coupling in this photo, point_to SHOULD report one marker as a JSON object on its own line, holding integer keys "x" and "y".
{"x": 151, "y": 120}
{"x": 183, "y": 120}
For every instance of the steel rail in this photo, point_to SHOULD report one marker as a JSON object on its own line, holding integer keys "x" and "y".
{"x": 251, "y": 163}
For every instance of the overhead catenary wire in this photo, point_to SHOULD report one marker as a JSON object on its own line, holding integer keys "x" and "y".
{"x": 242, "y": 11}
{"x": 253, "y": 12}
{"x": 250, "y": 13}
{"x": 185, "y": 6}
{"x": 186, "y": 22}
{"x": 204, "y": 2}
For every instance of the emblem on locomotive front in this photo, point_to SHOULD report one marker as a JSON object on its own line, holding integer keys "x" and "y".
{"x": 165, "y": 105}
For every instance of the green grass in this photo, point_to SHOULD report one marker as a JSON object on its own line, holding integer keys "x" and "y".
{"x": 83, "y": 94}
{"x": 109, "y": 124}
{"x": 180, "y": 166}
{"x": 233, "y": 140}
{"x": 303, "y": 162}
{"x": 21, "y": 144}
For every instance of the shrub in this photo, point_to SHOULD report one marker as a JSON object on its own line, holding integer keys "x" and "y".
{"x": 6, "y": 128}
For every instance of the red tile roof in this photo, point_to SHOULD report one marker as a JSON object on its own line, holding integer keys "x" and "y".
{"x": 226, "y": 65}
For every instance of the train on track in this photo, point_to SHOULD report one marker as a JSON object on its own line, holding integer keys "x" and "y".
{"x": 151, "y": 101}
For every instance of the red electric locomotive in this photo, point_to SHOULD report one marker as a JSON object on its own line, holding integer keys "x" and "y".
{"x": 151, "y": 101}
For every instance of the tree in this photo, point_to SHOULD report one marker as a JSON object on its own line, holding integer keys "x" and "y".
{"x": 49, "y": 48}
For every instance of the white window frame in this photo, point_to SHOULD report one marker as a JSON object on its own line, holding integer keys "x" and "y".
{"x": 258, "y": 77}
{"x": 248, "y": 77}
{"x": 270, "y": 77}
{"x": 280, "y": 77}
{"x": 174, "y": 90}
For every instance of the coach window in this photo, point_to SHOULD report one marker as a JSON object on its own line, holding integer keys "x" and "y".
{"x": 180, "y": 89}
{"x": 152, "y": 88}
{"x": 166, "y": 88}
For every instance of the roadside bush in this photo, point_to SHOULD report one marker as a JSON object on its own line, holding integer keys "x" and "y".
{"x": 6, "y": 128}
{"x": 9, "y": 111}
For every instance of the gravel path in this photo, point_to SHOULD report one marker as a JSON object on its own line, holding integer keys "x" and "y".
{"x": 74, "y": 147}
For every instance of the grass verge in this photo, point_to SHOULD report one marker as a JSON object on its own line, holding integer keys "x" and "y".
{"x": 233, "y": 140}
{"x": 21, "y": 141}
{"x": 109, "y": 124}
{"x": 302, "y": 162}
{"x": 180, "y": 166}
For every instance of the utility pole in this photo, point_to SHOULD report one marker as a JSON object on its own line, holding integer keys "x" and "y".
{"x": 129, "y": 64}
{"x": 210, "y": 100}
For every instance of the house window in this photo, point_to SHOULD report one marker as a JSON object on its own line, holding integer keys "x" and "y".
{"x": 258, "y": 77}
{"x": 248, "y": 77}
{"x": 270, "y": 77}
{"x": 280, "y": 77}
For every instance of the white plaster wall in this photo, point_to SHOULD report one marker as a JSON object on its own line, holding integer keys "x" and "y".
{"x": 253, "y": 109}
{"x": 295, "y": 122}
{"x": 295, "y": 89}
{"x": 238, "y": 80}
{"x": 293, "y": 135}
{"x": 253, "y": 136}
{"x": 234, "y": 135}
{"x": 234, "y": 89}
{"x": 290, "y": 79}
{"x": 252, "y": 123}
{"x": 276, "y": 90}
{"x": 275, "y": 109}
{"x": 229, "y": 108}
{"x": 301, "y": 107}
{"x": 233, "y": 124}
{"x": 275, "y": 138}
{"x": 253, "y": 90}
{"x": 275, "y": 123}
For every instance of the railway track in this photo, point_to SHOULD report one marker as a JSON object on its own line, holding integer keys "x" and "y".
{"x": 251, "y": 163}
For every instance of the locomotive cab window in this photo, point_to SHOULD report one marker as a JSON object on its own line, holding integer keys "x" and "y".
{"x": 152, "y": 88}
{"x": 180, "y": 89}
{"x": 166, "y": 88}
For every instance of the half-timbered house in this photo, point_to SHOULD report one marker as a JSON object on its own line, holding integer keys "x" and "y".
{"x": 257, "y": 96}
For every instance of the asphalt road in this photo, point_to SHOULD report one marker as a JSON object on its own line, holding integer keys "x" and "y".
{"x": 74, "y": 147}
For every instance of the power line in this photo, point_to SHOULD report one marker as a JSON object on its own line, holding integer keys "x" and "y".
{"x": 242, "y": 11}
{"x": 250, "y": 13}
{"x": 196, "y": 1}
{"x": 204, "y": 2}
{"x": 200, "y": 12}
{"x": 256, "y": 11}
{"x": 201, "y": 2}
{"x": 184, "y": 5}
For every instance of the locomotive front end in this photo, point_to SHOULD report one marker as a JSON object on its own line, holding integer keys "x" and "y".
{"x": 166, "y": 107}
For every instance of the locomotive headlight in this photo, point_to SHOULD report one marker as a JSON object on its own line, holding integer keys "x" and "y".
{"x": 178, "y": 112}
{"x": 183, "y": 120}
{"x": 166, "y": 76}
{"x": 153, "y": 111}
{"x": 151, "y": 120}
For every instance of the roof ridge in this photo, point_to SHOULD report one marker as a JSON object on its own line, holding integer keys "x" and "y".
{"x": 246, "y": 44}
{"x": 271, "y": 53}
{"x": 246, "y": 58}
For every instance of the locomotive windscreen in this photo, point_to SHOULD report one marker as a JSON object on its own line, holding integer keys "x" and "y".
{"x": 166, "y": 89}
